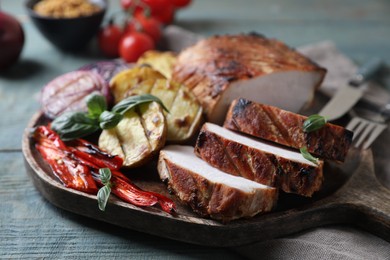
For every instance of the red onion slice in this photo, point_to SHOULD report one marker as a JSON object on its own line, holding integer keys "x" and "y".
{"x": 67, "y": 92}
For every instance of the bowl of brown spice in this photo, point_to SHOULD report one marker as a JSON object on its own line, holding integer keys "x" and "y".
{"x": 68, "y": 24}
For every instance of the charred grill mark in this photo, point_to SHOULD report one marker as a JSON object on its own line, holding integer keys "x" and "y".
{"x": 202, "y": 138}
{"x": 185, "y": 94}
{"x": 238, "y": 116}
{"x": 229, "y": 157}
{"x": 240, "y": 107}
{"x": 176, "y": 94}
{"x": 280, "y": 174}
{"x": 305, "y": 171}
{"x": 147, "y": 132}
{"x": 120, "y": 140}
{"x": 256, "y": 34}
{"x": 190, "y": 79}
{"x": 249, "y": 161}
{"x": 183, "y": 121}
{"x": 217, "y": 88}
{"x": 227, "y": 68}
{"x": 282, "y": 131}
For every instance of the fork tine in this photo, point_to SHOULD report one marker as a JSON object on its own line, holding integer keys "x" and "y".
{"x": 368, "y": 127}
{"x": 359, "y": 127}
{"x": 374, "y": 134}
{"x": 352, "y": 124}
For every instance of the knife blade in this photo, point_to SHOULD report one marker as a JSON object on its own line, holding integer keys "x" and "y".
{"x": 347, "y": 96}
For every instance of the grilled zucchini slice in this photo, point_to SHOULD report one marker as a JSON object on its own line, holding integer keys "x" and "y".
{"x": 138, "y": 137}
{"x": 140, "y": 79}
{"x": 185, "y": 112}
{"x": 163, "y": 62}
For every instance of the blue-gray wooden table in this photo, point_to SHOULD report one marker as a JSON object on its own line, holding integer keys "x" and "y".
{"x": 30, "y": 227}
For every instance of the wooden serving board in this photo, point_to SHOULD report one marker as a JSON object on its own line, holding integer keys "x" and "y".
{"x": 351, "y": 194}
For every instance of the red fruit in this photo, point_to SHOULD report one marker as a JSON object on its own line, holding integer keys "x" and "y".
{"x": 11, "y": 40}
{"x": 108, "y": 40}
{"x": 134, "y": 44}
{"x": 148, "y": 25}
{"x": 167, "y": 15}
{"x": 157, "y": 6}
{"x": 180, "y": 3}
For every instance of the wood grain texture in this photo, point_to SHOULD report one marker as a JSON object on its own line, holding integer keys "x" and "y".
{"x": 32, "y": 228}
{"x": 355, "y": 199}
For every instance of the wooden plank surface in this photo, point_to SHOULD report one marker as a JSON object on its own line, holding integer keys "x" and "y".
{"x": 33, "y": 228}
{"x": 30, "y": 227}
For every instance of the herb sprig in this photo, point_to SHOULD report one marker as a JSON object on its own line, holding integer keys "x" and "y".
{"x": 313, "y": 123}
{"x": 105, "y": 191}
{"x": 73, "y": 125}
{"x": 308, "y": 156}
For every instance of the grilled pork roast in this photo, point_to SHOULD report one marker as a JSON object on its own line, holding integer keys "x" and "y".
{"x": 259, "y": 161}
{"x": 210, "y": 192}
{"x": 222, "y": 68}
{"x": 286, "y": 128}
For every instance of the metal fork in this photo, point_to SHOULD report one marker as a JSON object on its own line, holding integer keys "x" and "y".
{"x": 367, "y": 129}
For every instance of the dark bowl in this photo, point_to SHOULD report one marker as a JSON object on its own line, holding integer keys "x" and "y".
{"x": 68, "y": 34}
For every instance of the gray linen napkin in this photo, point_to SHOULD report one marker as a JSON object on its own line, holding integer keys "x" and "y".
{"x": 331, "y": 242}
{"x": 340, "y": 70}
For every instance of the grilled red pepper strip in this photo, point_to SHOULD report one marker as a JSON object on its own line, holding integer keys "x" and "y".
{"x": 79, "y": 163}
{"x": 128, "y": 192}
{"x": 68, "y": 170}
{"x": 165, "y": 203}
{"x": 85, "y": 150}
{"x": 121, "y": 185}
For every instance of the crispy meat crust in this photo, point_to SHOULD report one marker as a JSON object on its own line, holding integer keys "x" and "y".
{"x": 265, "y": 168}
{"x": 208, "y": 67}
{"x": 283, "y": 127}
{"x": 215, "y": 200}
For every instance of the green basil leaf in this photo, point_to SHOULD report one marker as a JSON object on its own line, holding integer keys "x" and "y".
{"x": 109, "y": 119}
{"x": 308, "y": 156}
{"x": 313, "y": 123}
{"x": 102, "y": 197}
{"x": 96, "y": 105}
{"x": 105, "y": 175}
{"x": 130, "y": 102}
{"x": 74, "y": 125}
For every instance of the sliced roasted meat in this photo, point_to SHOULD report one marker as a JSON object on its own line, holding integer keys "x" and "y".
{"x": 222, "y": 68}
{"x": 259, "y": 161}
{"x": 286, "y": 128}
{"x": 209, "y": 191}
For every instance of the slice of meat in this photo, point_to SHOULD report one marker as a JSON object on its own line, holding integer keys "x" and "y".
{"x": 259, "y": 161}
{"x": 222, "y": 68}
{"x": 286, "y": 128}
{"x": 209, "y": 191}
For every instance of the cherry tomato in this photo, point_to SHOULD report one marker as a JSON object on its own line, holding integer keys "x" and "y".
{"x": 157, "y": 6}
{"x": 108, "y": 40}
{"x": 181, "y": 3}
{"x": 149, "y": 25}
{"x": 167, "y": 15}
{"x": 134, "y": 44}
